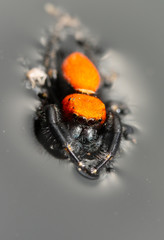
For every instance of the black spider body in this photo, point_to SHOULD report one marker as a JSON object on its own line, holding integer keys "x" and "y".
{"x": 91, "y": 146}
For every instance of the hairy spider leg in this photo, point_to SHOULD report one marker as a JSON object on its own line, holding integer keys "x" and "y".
{"x": 58, "y": 129}
{"x": 128, "y": 131}
{"x": 50, "y": 57}
{"x": 118, "y": 107}
{"x": 122, "y": 109}
{"x": 115, "y": 143}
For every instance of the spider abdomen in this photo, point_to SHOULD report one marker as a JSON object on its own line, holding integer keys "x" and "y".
{"x": 81, "y": 73}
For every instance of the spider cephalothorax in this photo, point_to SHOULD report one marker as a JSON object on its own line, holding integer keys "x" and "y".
{"x": 72, "y": 120}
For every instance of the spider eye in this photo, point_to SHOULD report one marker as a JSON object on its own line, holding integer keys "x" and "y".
{"x": 91, "y": 121}
{"x": 74, "y": 115}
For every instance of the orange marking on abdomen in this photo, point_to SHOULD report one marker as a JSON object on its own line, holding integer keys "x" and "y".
{"x": 85, "y": 106}
{"x": 81, "y": 73}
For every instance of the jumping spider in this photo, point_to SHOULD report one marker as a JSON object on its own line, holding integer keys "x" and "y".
{"x": 72, "y": 120}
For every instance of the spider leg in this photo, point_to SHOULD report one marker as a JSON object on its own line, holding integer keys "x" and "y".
{"x": 50, "y": 57}
{"x": 128, "y": 131}
{"x": 122, "y": 109}
{"x": 118, "y": 107}
{"x": 59, "y": 130}
{"x": 109, "y": 155}
{"x": 105, "y": 155}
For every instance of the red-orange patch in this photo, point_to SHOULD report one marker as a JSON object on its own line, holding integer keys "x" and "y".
{"x": 85, "y": 106}
{"x": 81, "y": 73}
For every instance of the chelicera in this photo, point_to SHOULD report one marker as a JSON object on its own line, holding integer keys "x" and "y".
{"x": 72, "y": 120}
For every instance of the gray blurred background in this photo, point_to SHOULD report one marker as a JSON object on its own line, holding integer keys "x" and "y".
{"x": 44, "y": 198}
